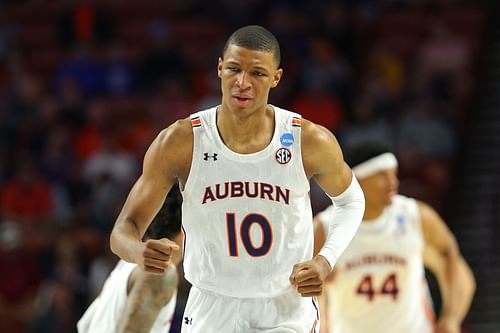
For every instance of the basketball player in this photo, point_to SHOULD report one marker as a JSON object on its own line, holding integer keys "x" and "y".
{"x": 244, "y": 167}
{"x": 378, "y": 284}
{"x": 132, "y": 300}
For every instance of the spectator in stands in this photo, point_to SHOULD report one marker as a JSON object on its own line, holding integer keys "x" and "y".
{"x": 119, "y": 75}
{"x": 366, "y": 125}
{"x": 20, "y": 276}
{"x": 26, "y": 198}
{"x": 85, "y": 22}
{"x": 82, "y": 69}
{"x": 439, "y": 140}
{"x": 62, "y": 296}
{"x": 162, "y": 60}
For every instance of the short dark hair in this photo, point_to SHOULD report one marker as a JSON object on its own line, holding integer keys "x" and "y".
{"x": 167, "y": 222}
{"x": 255, "y": 37}
{"x": 363, "y": 151}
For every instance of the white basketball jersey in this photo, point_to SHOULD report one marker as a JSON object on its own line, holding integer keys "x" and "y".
{"x": 379, "y": 285}
{"x": 104, "y": 313}
{"x": 247, "y": 218}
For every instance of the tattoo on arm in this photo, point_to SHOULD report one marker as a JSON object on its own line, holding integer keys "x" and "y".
{"x": 147, "y": 297}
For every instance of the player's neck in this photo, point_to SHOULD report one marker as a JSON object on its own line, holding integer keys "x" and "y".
{"x": 246, "y": 134}
{"x": 372, "y": 212}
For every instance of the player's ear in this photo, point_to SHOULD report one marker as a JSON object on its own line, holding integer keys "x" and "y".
{"x": 219, "y": 67}
{"x": 277, "y": 77}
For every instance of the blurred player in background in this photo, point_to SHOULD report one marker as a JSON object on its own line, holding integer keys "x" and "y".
{"x": 378, "y": 284}
{"x": 245, "y": 168}
{"x": 133, "y": 300}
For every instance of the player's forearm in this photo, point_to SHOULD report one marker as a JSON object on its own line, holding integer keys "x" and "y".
{"x": 466, "y": 289}
{"x": 452, "y": 302}
{"x": 123, "y": 237}
{"x": 140, "y": 315}
{"x": 344, "y": 222}
{"x": 149, "y": 294}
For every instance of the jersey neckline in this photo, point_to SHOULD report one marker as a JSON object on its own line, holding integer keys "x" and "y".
{"x": 239, "y": 156}
{"x": 377, "y": 224}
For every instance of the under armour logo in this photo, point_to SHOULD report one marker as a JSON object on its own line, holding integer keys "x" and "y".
{"x": 188, "y": 321}
{"x": 207, "y": 156}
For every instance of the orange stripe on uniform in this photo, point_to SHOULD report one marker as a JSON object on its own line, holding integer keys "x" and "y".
{"x": 314, "y": 302}
{"x": 196, "y": 122}
{"x": 296, "y": 121}
{"x": 313, "y": 329}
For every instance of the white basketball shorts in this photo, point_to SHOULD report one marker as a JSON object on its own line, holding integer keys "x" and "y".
{"x": 209, "y": 312}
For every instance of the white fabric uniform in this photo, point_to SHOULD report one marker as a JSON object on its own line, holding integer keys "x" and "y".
{"x": 247, "y": 220}
{"x": 379, "y": 283}
{"x": 106, "y": 310}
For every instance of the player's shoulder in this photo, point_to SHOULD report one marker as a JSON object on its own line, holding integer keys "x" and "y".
{"x": 309, "y": 129}
{"x": 314, "y": 134}
{"x": 318, "y": 143}
{"x": 177, "y": 133}
{"x": 407, "y": 207}
{"x": 403, "y": 202}
{"x": 175, "y": 140}
{"x": 426, "y": 211}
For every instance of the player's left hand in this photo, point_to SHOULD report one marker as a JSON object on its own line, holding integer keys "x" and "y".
{"x": 447, "y": 325}
{"x": 308, "y": 277}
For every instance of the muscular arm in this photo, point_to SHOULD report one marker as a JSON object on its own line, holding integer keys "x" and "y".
{"x": 148, "y": 295}
{"x": 323, "y": 159}
{"x": 456, "y": 298}
{"x": 324, "y": 162}
{"x": 168, "y": 158}
{"x": 436, "y": 262}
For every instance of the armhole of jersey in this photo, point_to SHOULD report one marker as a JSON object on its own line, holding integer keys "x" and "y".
{"x": 197, "y": 127}
{"x": 296, "y": 120}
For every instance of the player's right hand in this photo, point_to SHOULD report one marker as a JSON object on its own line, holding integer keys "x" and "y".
{"x": 153, "y": 256}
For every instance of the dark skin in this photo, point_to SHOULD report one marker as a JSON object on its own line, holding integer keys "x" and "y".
{"x": 246, "y": 79}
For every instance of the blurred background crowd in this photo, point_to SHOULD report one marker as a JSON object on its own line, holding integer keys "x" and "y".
{"x": 85, "y": 86}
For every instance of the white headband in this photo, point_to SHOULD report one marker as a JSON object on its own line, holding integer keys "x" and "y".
{"x": 376, "y": 164}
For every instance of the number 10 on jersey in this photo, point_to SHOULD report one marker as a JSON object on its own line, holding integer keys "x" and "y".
{"x": 245, "y": 237}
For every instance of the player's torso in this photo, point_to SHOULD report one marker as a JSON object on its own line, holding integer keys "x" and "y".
{"x": 379, "y": 285}
{"x": 246, "y": 217}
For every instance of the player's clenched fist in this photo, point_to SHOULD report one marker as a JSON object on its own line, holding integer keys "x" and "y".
{"x": 153, "y": 256}
{"x": 308, "y": 277}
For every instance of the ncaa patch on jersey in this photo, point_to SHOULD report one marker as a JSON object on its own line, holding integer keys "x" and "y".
{"x": 287, "y": 139}
{"x": 283, "y": 156}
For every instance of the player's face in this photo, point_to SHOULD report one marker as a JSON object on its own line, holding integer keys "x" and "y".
{"x": 246, "y": 78}
{"x": 380, "y": 188}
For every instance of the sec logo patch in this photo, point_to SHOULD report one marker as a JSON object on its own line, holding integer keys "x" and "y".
{"x": 283, "y": 156}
